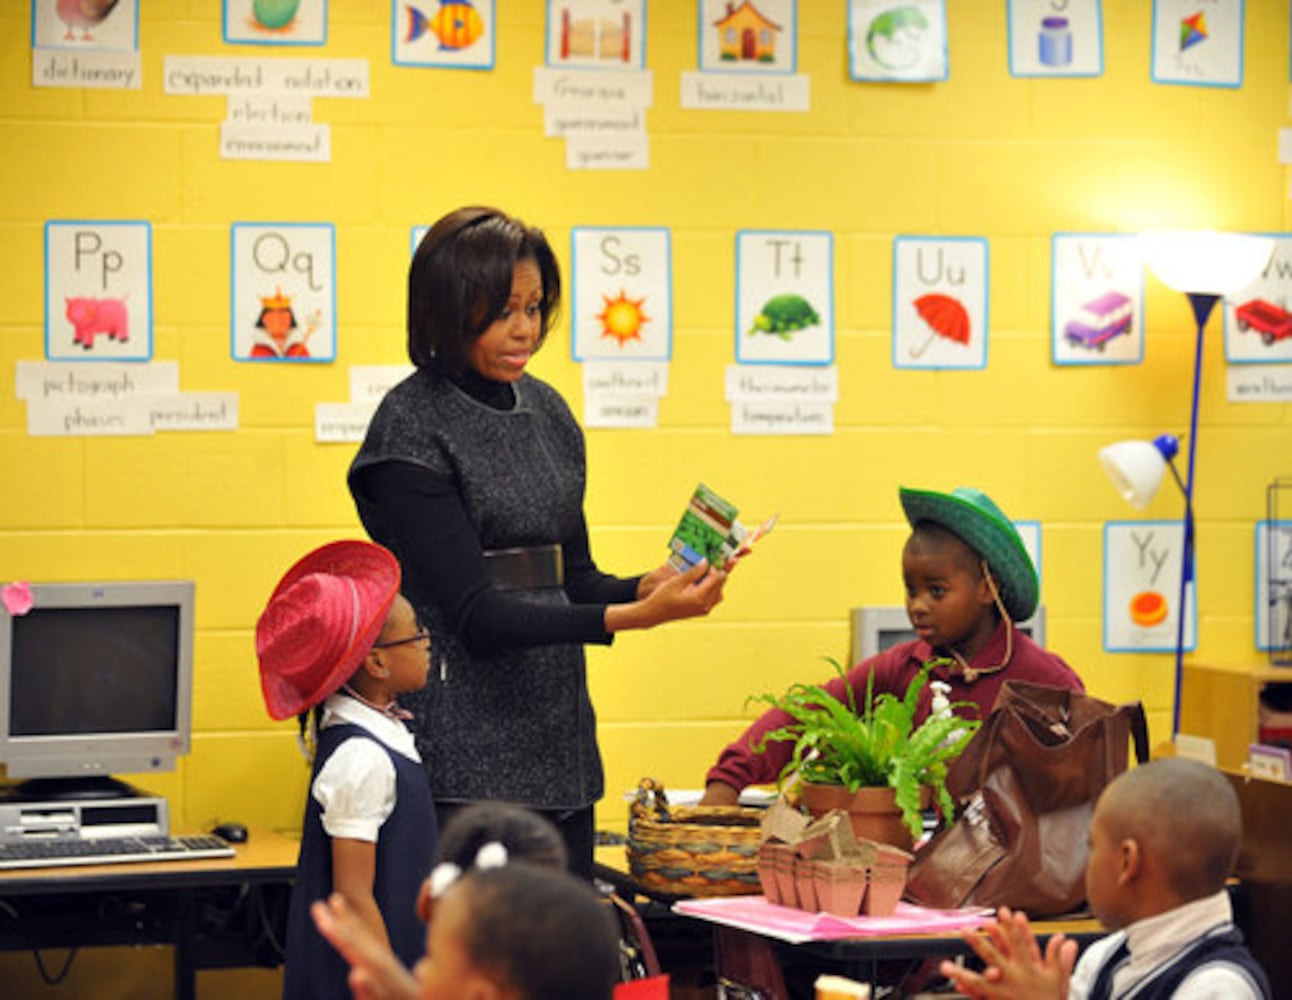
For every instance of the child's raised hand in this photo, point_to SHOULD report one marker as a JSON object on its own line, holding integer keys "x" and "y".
{"x": 1015, "y": 968}
{"x": 375, "y": 972}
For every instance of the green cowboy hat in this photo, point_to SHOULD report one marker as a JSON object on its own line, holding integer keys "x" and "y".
{"x": 975, "y": 519}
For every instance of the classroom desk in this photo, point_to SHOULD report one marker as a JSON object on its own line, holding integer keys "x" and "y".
{"x": 215, "y": 913}
{"x": 736, "y": 950}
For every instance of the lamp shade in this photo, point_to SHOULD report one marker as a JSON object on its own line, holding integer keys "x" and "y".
{"x": 1205, "y": 261}
{"x": 1136, "y": 467}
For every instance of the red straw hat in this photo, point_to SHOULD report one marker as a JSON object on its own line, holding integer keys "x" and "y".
{"x": 320, "y": 622}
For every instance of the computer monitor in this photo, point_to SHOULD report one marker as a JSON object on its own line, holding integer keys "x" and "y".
{"x": 878, "y": 627}
{"x": 96, "y": 679}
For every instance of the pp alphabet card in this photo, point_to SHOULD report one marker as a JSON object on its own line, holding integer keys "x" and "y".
{"x": 1056, "y": 38}
{"x": 939, "y": 302}
{"x": 1258, "y": 320}
{"x": 784, "y": 297}
{"x": 1142, "y": 566}
{"x": 1198, "y": 42}
{"x": 622, "y": 293}
{"x": 900, "y": 43}
{"x": 98, "y": 291}
{"x": 283, "y": 304}
{"x": 1096, "y": 299}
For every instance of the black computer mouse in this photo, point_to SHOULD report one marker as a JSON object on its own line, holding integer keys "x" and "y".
{"x": 234, "y": 833}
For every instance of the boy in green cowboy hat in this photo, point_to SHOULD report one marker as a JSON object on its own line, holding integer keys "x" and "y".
{"x": 968, "y": 578}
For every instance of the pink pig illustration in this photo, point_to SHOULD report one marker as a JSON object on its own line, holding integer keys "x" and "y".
{"x": 95, "y": 316}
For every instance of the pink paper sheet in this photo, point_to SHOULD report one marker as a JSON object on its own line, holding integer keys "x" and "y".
{"x": 754, "y": 913}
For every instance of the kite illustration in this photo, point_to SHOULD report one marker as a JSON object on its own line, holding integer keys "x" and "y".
{"x": 1193, "y": 30}
{"x": 946, "y": 318}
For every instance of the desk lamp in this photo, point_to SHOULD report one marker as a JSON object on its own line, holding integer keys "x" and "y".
{"x": 1205, "y": 266}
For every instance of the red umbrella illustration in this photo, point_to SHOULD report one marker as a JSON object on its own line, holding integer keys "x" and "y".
{"x": 945, "y": 316}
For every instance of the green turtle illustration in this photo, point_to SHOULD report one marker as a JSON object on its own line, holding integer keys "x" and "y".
{"x": 783, "y": 314}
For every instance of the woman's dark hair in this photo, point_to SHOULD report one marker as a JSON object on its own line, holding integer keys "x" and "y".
{"x": 527, "y": 836}
{"x": 460, "y": 281}
{"x": 545, "y": 934}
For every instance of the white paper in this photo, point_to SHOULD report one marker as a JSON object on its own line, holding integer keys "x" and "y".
{"x": 613, "y": 410}
{"x": 198, "y": 75}
{"x": 368, "y": 383}
{"x": 746, "y": 92}
{"x": 564, "y": 120}
{"x": 269, "y": 109}
{"x": 761, "y": 383}
{"x": 86, "y": 69}
{"x": 193, "y": 411}
{"x": 1285, "y": 145}
{"x": 304, "y": 143}
{"x": 782, "y": 418}
{"x": 630, "y": 378}
{"x": 1259, "y": 383}
{"x": 125, "y": 416}
{"x": 599, "y": 88}
{"x": 626, "y": 152}
{"x": 341, "y": 422}
{"x": 43, "y": 380}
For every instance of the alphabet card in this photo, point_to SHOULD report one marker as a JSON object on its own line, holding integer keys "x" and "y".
{"x": 1056, "y": 38}
{"x": 458, "y": 35}
{"x": 1258, "y": 319}
{"x": 284, "y": 291}
{"x": 748, "y": 37}
{"x": 1198, "y": 42}
{"x": 275, "y": 22}
{"x": 939, "y": 302}
{"x": 1096, "y": 299}
{"x": 784, "y": 297}
{"x": 1142, "y": 564}
{"x": 902, "y": 43}
{"x": 98, "y": 291}
{"x": 85, "y": 27}
{"x": 1274, "y": 585}
{"x": 601, "y": 34}
{"x": 623, "y": 301}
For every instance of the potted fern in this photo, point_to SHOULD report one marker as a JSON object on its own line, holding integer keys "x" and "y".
{"x": 844, "y": 753}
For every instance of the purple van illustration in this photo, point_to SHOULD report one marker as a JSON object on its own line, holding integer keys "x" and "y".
{"x": 1099, "y": 320}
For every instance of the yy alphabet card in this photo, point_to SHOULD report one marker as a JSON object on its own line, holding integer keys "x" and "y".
{"x": 1142, "y": 565}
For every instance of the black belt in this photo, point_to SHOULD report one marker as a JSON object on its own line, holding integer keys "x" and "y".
{"x": 528, "y": 568}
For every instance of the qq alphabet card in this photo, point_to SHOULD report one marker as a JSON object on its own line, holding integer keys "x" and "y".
{"x": 98, "y": 291}
{"x": 784, "y": 297}
{"x": 457, "y": 35}
{"x": 1198, "y": 42}
{"x": 1096, "y": 299}
{"x": 596, "y": 34}
{"x": 1049, "y": 38}
{"x": 283, "y": 304}
{"x": 897, "y": 42}
{"x": 748, "y": 37}
{"x": 939, "y": 302}
{"x": 1258, "y": 319}
{"x": 1142, "y": 565}
{"x": 623, "y": 303}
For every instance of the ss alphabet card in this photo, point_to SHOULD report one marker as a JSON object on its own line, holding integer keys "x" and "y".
{"x": 622, "y": 291}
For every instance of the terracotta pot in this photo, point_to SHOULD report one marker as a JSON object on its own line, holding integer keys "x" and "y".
{"x": 873, "y": 812}
{"x": 887, "y": 882}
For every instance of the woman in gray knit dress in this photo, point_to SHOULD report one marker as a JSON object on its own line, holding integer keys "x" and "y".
{"x": 473, "y": 472}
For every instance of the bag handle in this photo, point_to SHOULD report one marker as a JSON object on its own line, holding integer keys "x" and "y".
{"x": 1139, "y": 731}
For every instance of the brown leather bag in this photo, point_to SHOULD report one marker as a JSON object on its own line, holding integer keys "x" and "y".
{"x": 1025, "y": 789}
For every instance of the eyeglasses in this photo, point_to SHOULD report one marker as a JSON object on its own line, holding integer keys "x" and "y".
{"x": 423, "y": 634}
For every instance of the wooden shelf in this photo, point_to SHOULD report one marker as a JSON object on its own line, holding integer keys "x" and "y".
{"x": 1223, "y": 704}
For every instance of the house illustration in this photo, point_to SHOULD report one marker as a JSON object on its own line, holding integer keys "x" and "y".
{"x": 743, "y": 33}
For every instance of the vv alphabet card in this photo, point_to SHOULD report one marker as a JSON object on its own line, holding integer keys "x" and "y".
{"x": 283, "y": 304}
{"x": 784, "y": 297}
{"x": 1142, "y": 566}
{"x": 939, "y": 302}
{"x": 1198, "y": 42}
{"x": 1258, "y": 319}
{"x": 98, "y": 291}
{"x": 1056, "y": 38}
{"x": 622, "y": 292}
{"x": 1096, "y": 299}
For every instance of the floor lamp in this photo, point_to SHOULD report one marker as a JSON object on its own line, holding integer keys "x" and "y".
{"x": 1205, "y": 266}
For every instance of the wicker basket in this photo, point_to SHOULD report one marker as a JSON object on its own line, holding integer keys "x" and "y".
{"x": 692, "y": 850}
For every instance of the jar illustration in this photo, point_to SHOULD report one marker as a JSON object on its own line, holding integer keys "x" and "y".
{"x": 1055, "y": 42}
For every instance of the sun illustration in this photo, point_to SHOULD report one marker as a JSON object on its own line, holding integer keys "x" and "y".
{"x": 622, "y": 318}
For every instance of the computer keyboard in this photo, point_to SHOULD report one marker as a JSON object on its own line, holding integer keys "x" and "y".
{"x": 110, "y": 850}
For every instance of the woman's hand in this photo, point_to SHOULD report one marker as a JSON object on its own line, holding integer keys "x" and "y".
{"x": 683, "y": 595}
{"x": 647, "y": 584}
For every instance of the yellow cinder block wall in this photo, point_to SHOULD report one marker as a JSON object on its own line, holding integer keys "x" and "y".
{"x": 983, "y": 154}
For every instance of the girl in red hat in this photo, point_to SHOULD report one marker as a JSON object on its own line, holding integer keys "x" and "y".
{"x": 336, "y": 643}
